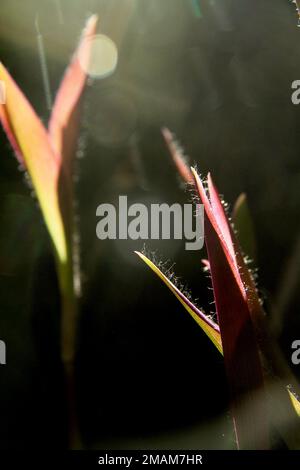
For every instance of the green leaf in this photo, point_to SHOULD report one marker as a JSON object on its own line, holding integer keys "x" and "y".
{"x": 39, "y": 157}
{"x": 243, "y": 224}
{"x": 209, "y": 327}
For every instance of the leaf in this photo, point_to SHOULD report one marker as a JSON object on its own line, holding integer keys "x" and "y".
{"x": 220, "y": 216}
{"x": 244, "y": 226}
{"x": 278, "y": 400}
{"x": 178, "y": 157}
{"x": 207, "y": 325}
{"x": 43, "y": 156}
{"x": 29, "y": 136}
{"x": 217, "y": 221}
{"x": 276, "y": 365}
{"x": 279, "y": 409}
{"x": 295, "y": 402}
{"x": 10, "y": 134}
{"x": 240, "y": 347}
{"x": 64, "y": 120}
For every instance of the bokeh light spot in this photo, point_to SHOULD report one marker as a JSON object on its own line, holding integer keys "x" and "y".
{"x": 104, "y": 57}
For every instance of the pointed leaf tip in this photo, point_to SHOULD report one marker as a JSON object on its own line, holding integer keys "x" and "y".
{"x": 64, "y": 120}
{"x": 244, "y": 226}
{"x": 177, "y": 155}
{"x": 209, "y": 327}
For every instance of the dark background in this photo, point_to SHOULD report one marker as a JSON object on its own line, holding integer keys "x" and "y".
{"x": 147, "y": 375}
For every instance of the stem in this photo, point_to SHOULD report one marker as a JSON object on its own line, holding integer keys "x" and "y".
{"x": 74, "y": 439}
{"x": 68, "y": 350}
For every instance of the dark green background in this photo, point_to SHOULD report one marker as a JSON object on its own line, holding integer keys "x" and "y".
{"x": 147, "y": 376}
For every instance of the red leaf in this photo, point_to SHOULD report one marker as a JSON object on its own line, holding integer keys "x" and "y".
{"x": 64, "y": 120}
{"x": 10, "y": 133}
{"x": 240, "y": 348}
{"x": 178, "y": 156}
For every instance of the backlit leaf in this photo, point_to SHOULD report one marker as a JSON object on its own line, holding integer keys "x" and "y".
{"x": 243, "y": 224}
{"x": 31, "y": 139}
{"x": 178, "y": 157}
{"x": 208, "y": 326}
{"x": 241, "y": 352}
{"x": 64, "y": 120}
